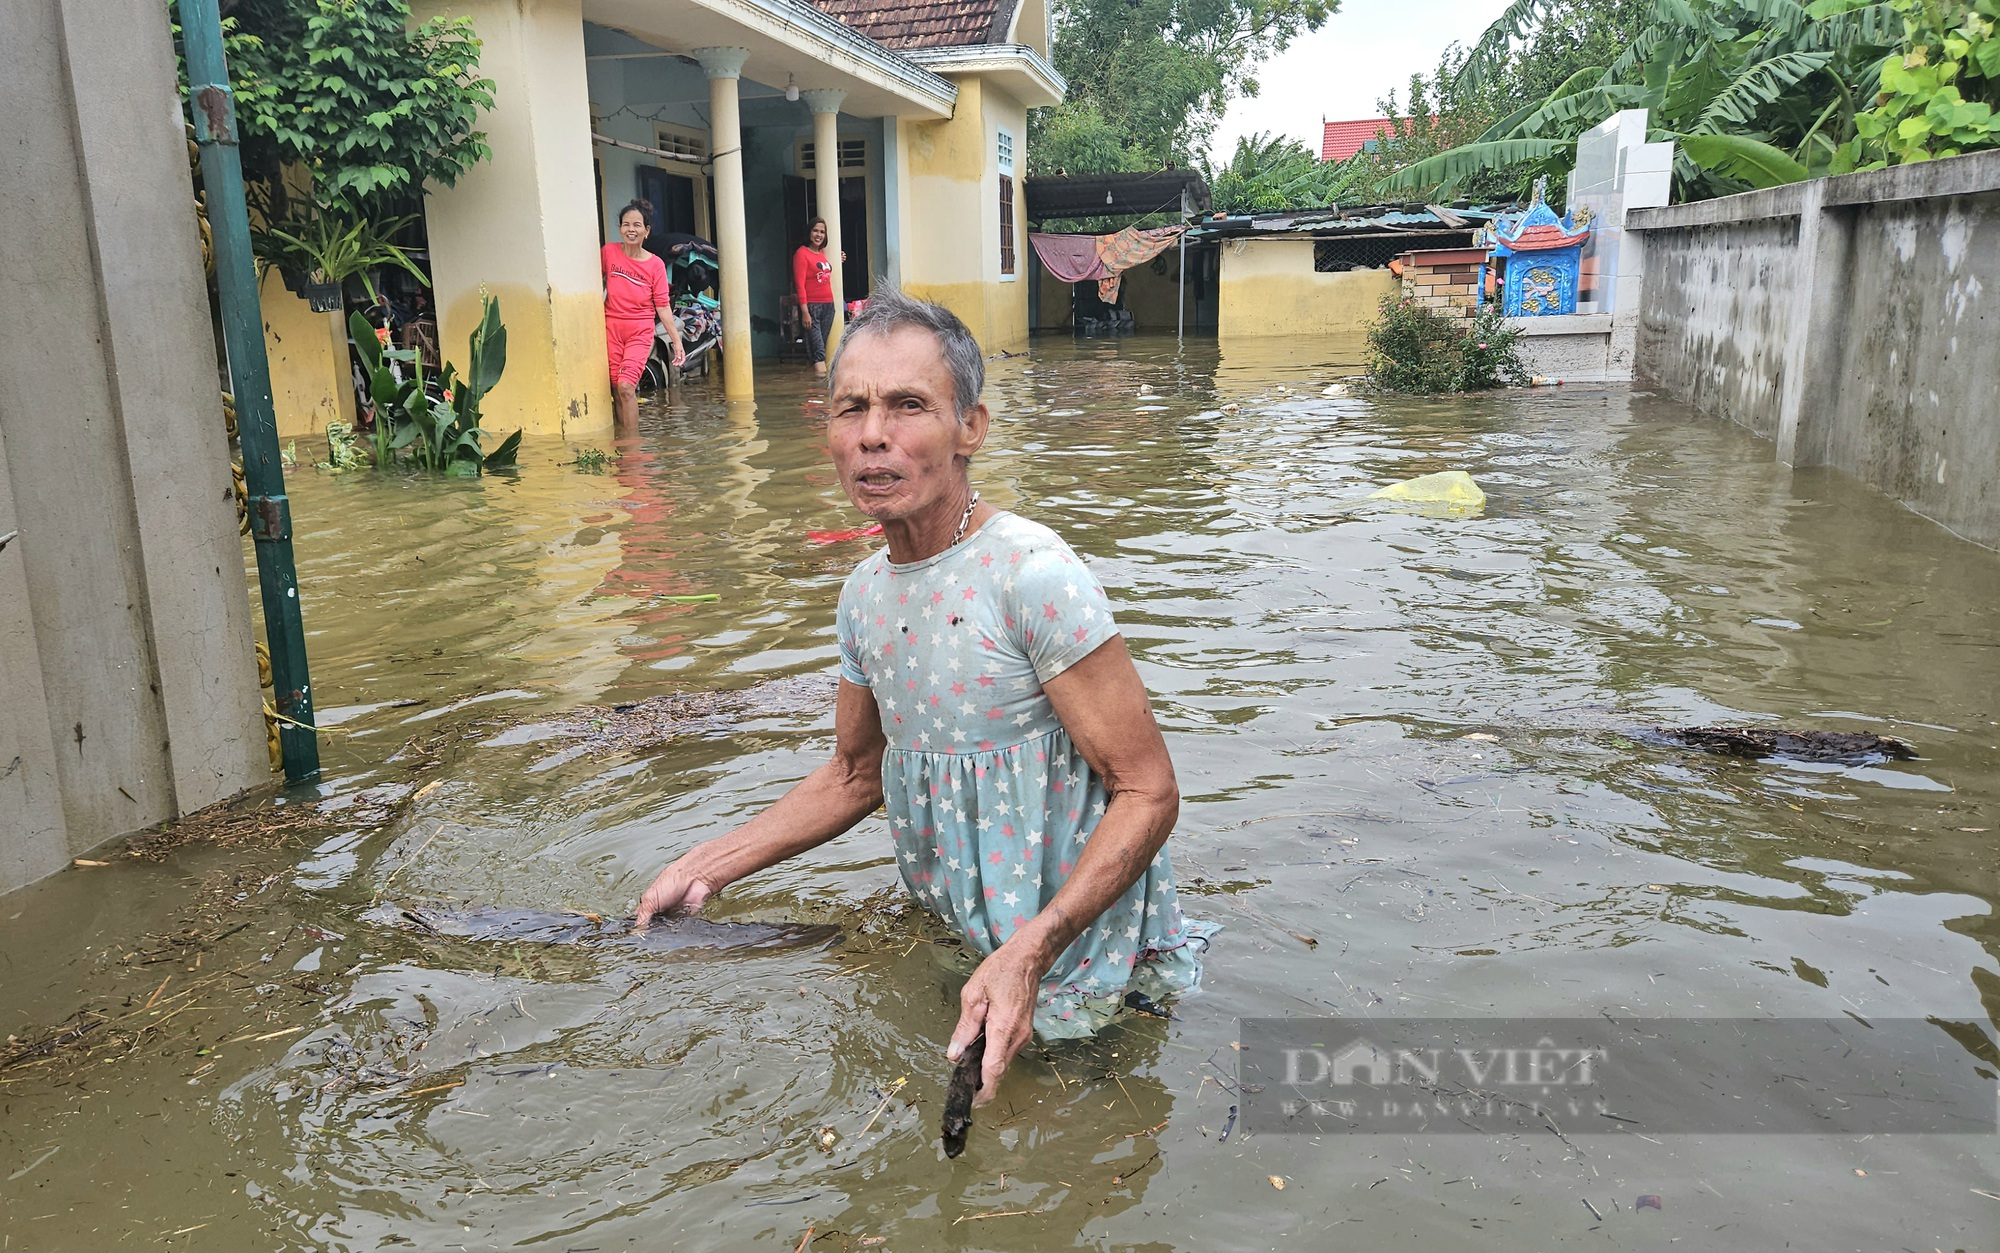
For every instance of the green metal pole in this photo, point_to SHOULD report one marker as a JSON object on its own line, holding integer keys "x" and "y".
{"x": 214, "y": 109}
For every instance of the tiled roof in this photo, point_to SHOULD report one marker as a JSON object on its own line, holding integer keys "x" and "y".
{"x": 1341, "y": 140}
{"x": 1544, "y": 236}
{"x": 904, "y": 24}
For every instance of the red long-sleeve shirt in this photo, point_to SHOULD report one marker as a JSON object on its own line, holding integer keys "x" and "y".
{"x": 812, "y": 277}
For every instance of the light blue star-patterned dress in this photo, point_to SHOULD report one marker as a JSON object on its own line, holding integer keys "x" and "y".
{"x": 989, "y": 802}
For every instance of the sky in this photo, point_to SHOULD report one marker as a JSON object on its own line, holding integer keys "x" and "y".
{"x": 1364, "y": 51}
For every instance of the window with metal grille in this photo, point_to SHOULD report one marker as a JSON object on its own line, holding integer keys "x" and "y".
{"x": 684, "y": 145}
{"x": 1333, "y": 256}
{"x": 1006, "y": 224}
{"x": 1006, "y": 153}
{"x": 853, "y": 157}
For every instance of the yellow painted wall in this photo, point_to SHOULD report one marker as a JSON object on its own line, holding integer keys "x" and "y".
{"x": 523, "y": 225}
{"x": 1031, "y": 25}
{"x": 1269, "y": 287}
{"x": 950, "y": 213}
{"x": 1151, "y": 295}
{"x": 310, "y": 381}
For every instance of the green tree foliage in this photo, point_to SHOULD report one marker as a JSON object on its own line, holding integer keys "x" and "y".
{"x": 1443, "y": 109}
{"x": 1270, "y": 173}
{"x": 1754, "y": 93}
{"x": 1149, "y": 79}
{"x": 350, "y": 93}
{"x": 1939, "y": 89}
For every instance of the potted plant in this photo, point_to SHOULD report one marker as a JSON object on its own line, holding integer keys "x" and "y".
{"x": 317, "y": 257}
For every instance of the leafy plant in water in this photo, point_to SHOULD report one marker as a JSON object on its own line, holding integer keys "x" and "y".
{"x": 343, "y": 451}
{"x": 591, "y": 459}
{"x": 440, "y": 432}
{"x": 1416, "y": 349}
{"x": 1492, "y": 355}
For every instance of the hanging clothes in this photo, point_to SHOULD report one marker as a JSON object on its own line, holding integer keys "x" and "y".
{"x": 1081, "y": 258}
{"x": 1071, "y": 258}
{"x": 1127, "y": 248}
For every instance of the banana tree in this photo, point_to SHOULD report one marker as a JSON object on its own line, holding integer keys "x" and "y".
{"x": 1753, "y": 93}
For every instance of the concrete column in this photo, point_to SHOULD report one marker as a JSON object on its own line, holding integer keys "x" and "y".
{"x": 1815, "y": 348}
{"x": 825, "y": 105}
{"x": 724, "y": 67}
{"x": 523, "y": 224}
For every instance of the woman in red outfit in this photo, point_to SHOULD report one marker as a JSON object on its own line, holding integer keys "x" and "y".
{"x": 635, "y": 292}
{"x": 812, "y": 280}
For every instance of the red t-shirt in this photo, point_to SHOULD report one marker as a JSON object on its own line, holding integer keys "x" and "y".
{"x": 633, "y": 289}
{"x": 812, "y": 277}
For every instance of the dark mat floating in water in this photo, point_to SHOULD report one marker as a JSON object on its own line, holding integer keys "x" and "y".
{"x": 534, "y": 926}
{"x": 1850, "y": 748}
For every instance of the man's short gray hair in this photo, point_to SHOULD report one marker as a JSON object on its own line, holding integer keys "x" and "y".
{"x": 890, "y": 310}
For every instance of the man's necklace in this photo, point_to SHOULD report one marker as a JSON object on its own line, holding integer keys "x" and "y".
{"x": 964, "y": 521}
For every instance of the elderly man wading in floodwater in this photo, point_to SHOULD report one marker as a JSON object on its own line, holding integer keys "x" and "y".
{"x": 987, "y": 699}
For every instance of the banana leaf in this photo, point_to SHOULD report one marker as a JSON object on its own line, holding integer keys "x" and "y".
{"x": 1458, "y": 164}
{"x": 1752, "y": 160}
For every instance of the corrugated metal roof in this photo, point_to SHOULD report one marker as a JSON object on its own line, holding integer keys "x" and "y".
{"x": 1337, "y": 221}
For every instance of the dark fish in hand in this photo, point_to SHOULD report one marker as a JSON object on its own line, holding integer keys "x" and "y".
{"x": 533, "y": 926}
{"x": 958, "y": 1095}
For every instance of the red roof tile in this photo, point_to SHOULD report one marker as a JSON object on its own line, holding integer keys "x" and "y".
{"x": 905, "y": 24}
{"x": 1342, "y": 140}
{"x": 1541, "y": 235}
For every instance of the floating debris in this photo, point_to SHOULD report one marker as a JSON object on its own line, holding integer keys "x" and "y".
{"x": 1453, "y": 488}
{"x": 635, "y": 726}
{"x": 533, "y": 926}
{"x": 1851, "y": 748}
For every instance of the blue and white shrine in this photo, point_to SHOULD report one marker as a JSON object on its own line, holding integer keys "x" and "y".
{"x": 1541, "y": 259}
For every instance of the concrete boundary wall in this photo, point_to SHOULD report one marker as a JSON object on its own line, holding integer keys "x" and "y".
{"x": 1852, "y": 321}
{"x": 128, "y": 686}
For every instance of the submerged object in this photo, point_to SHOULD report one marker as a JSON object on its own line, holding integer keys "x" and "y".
{"x": 1447, "y": 487}
{"x": 535, "y": 926}
{"x": 958, "y": 1095}
{"x": 1850, "y": 748}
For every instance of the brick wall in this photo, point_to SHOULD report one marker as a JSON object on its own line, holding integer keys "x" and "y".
{"x": 1447, "y": 280}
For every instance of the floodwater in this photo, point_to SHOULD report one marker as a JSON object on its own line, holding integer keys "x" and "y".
{"x": 1413, "y": 788}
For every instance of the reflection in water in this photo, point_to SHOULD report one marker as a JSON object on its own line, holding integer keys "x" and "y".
{"x": 1415, "y": 784}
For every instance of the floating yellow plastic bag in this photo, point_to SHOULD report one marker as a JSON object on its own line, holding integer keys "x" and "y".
{"x": 1453, "y": 489}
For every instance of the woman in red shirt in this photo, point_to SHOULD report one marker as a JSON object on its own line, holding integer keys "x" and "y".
{"x": 812, "y": 280}
{"x": 635, "y": 292}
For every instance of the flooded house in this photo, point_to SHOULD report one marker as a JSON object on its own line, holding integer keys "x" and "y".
{"x": 903, "y": 125}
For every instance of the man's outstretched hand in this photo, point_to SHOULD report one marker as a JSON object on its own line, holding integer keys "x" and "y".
{"x": 680, "y": 887}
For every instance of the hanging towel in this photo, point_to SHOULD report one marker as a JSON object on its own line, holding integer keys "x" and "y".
{"x": 1071, "y": 258}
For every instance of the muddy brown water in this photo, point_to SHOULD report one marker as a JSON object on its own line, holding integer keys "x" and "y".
{"x": 260, "y": 1067}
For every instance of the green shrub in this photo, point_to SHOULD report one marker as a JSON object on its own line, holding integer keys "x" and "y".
{"x": 1491, "y": 358}
{"x": 1413, "y": 348}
